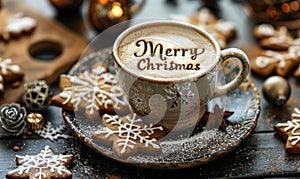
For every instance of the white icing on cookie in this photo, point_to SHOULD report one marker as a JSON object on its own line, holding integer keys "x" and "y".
{"x": 270, "y": 58}
{"x": 296, "y": 113}
{"x": 282, "y": 38}
{"x": 6, "y": 65}
{"x": 266, "y": 30}
{"x": 225, "y": 28}
{"x": 42, "y": 165}
{"x": 67, "y": 95}
{"x": 279, "y": 57}
{"x": 276, "y": 57}
{"x": 19, "y": 23}
{"x": 294, "y": 126}
{"x": 297, "y": 42}
{"x": 91, "y": 89}
{"x": 130, "y": 132}
{"x": 205, "y": 17}
{"x": 294, "y": 52}
{"x": 263, "y": 62}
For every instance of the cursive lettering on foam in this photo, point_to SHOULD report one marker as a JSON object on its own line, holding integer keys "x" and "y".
{"x": 164, "y": 53}
{"x": 146, "y": 64}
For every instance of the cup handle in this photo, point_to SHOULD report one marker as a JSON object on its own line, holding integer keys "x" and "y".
{"x": 241, "y": 76}
{"x": 136, "y": 7}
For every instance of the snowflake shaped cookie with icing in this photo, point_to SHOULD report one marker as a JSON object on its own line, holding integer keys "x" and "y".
{"x": 290, "y": 132}
{"x": 16, "y": 25}
{"x": 92, "y": 92}
{"x": 128, "y": 135}
{"x": 42, "y": 166}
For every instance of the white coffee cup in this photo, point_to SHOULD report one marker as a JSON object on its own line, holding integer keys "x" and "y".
{"x": 169, "y": 71}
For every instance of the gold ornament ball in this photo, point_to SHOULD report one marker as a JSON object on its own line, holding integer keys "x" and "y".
{"x": 66, "y": 5}
{"x": 35, "y": 121}
{"x": 276, "y": 90}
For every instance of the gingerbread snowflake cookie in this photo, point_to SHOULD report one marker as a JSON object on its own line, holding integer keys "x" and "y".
{"x": 42, "y": 166}
{"x": 9, "y": 72}
{"x": 220, "y": 29}
{"x": 128, "y": 135}
{"x": 16, "y": 25}
{"x": 290, "y": 132}
{"x": 92, "y": 92}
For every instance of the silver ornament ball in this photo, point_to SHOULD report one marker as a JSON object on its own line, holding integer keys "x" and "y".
{"x": 276, "y": 90}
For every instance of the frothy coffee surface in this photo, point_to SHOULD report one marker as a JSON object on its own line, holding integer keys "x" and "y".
{"x": 166, "y": 52}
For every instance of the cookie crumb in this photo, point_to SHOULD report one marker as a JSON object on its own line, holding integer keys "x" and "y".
{"x": 16, "y": 148}
{"x": 16, "y": 84}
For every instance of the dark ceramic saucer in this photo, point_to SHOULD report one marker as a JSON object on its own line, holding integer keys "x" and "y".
{"x": 199, "y": 148}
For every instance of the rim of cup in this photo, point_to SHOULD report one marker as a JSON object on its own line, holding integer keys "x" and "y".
{"x": 185, "y": 78}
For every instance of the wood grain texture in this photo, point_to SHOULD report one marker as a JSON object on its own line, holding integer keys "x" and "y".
{"x": 262, "y": 155}
{"x": 47, "y": 31}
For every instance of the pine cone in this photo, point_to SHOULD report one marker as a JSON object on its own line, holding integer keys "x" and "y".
{"x": 12, "y": 119}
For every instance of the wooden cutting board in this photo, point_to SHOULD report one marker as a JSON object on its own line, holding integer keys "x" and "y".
{"x": 48, "y": 35}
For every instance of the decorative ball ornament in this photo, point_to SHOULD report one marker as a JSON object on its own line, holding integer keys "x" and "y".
{"x": 66, "y": 5}
{"x": 12, "y": 119}
{"x": 106, "y": 13}
{"x": 276, "y": 90}
{"x": 36, "y": 95}
{"x": 35, "y": 121}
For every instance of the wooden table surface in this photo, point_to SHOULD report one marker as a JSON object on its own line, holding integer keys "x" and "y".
{"x": 261, "y": 155}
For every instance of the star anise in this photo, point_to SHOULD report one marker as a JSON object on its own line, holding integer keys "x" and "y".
{"x": 216, "y": 118}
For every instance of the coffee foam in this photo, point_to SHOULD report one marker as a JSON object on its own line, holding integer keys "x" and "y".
{"x": 187, "y": 40}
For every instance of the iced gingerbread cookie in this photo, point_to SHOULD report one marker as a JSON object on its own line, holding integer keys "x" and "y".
{"x": 274, "y": 39}
{"x": 290, "y": 132}
{"x": 276, "y": 62}
{"x": 16, "y": 25}
{"x": 220, "y": 29}
{"x": 9, "y": 72}
{"x": 280, "y": 55}
{"x": 128, "y": 135}
{"x": 42, "y": 166}
{"x": 93, "y": 92}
